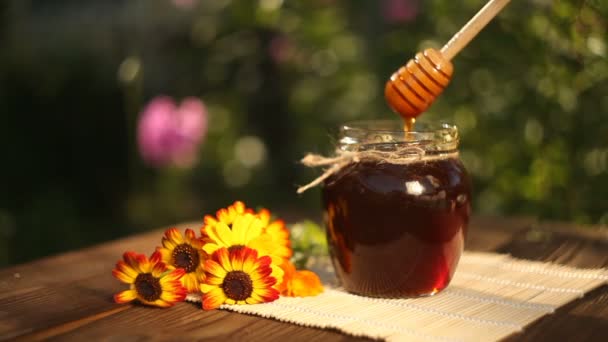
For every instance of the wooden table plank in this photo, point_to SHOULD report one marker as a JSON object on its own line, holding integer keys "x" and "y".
{"x": 585, "y": 319}
{"x": 44, "y": 307}
{"x": 487, "y": 234}
{"x": 77, "y": 265}
{"x": 54, "y": 291}
{"x": 68, "y": 297}
{"x": 186, "y": 321}
{"x": 574, "y": 247}
{"x": 582, "y": 320}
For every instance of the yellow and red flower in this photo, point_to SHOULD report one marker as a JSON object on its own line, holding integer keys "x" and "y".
{"x": 301, "y": 283}
{"x": 184, "y": 252}
{"x": 151, "y": 282}
{"x": 237, "y": 276}
{"x": 245, "y": 230}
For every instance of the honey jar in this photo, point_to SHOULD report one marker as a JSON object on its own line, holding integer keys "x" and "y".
{"x": 396, "y": 212}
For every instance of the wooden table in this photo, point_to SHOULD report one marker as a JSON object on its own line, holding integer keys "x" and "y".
{"x": 69, "y": 296}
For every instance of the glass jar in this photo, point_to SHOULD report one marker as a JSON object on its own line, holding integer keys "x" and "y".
{"x": 396, "y": 224}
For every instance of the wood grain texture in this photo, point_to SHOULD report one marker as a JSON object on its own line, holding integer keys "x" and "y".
{"x": 585, "y": 319}
{"x": 77, "y": 264}
{"x": 69, "y": 297}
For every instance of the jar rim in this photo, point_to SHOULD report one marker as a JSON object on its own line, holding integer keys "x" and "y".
{"x": 433, "y": 136}
{"x": 396, "y": 127}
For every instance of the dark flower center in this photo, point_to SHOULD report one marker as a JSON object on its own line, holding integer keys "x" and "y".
{"x": 186, "y": 257}
{"x": 148, "y": 287}
{"x": 237, "y": 285}
{"x": 235, "y": 248}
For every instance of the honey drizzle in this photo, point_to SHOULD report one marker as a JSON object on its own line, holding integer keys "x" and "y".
{"x": 408, "y": 124}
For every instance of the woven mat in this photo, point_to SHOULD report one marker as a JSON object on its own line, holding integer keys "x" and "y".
{"x": 490, "y": 297}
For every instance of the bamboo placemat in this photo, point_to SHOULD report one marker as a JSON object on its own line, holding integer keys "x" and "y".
{"x": 490, "y": 297}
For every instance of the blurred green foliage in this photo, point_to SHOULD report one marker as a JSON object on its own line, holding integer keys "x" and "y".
{"x": 530, "y": 96}
{"x": 308, "y": 241}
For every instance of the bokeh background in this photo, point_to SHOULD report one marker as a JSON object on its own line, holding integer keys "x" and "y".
{"x": 120, "y": 116}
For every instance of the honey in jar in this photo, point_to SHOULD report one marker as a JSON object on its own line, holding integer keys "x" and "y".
{"x": 396, "y": 225}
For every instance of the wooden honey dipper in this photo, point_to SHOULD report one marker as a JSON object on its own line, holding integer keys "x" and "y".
{"x": 412, "y": 89}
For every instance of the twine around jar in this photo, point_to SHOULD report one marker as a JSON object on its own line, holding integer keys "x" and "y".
{"x": 400, "y": 155}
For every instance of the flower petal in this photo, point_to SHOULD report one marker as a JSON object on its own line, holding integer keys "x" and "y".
{"x": 126, "y": 269}
{"x": 173, "y": 235}
{"x": 237, "y": 257}
{"x": 168, "y": 244}
{"x": 122, "y": 277}
{"x": 125, "y": 296}
{"x": 174, "y": 275}
{"x": 268, "y": 295}
{"x": 223, "y": 216}
{"x": 190, "y": 282}
{"x": 252, "y": 300}
{"x": 208, "y": 222}
{"x": 303, "y": 284}
{"x": 213, "y": 299}
{"x": 220, "y": 234}
{"x": 190, "y": 235}
{"x": 264, "y": 215}
{"x": 249, "y": 264}
{"x": 210, "y": 247}
{"x": 158, "y": 269}
{"x": 278, "y": 274}
{"x": 245, "y": 228}
{"x": 205, "y": 288}
{"x": 200, "y": 273}
{"x": 263, "y": 243}
{"x": 173, "y": 297}
{"x": 213, "y": 268}
{"x": 161, "y": 303}
{"x": 256, "y": 298}
{"x": 223, "y": 235}
{"x": 212, "y": 280}
{"x": 239, "y": 207}
{"x": 131, "y": 258}
{"x": 260, "y": 273}
{"x": 144, "y": 263}
{"x": 265, "y": 282}
{"x": 155, "y": 258}
{"x": 166, "y": 256}
{"x": 223, "y": 258}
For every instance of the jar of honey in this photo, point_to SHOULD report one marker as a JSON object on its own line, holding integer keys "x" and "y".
{"x": 396, "y": 213}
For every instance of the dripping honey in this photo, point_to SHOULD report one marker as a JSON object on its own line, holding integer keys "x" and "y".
{"x": 408, "y": 124}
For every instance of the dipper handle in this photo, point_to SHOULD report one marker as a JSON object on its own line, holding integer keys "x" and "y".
{"x": 472, "y": 28}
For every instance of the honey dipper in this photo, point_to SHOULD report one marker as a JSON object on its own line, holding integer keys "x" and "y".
{"x": 413, "y": 88}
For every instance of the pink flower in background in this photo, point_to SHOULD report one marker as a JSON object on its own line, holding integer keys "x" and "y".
{"x": 185, "y": 4}
{"x": 399, "y": 11}
{"x": 170, "y": 135}
{"x": 280, "y": 49}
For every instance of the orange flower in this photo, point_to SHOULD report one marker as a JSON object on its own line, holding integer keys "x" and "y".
{"x": 301, "y": 283}
{"x": 186, "y": 253}
{"x": 151, "y": 282}
{"x": 237, "y": 276}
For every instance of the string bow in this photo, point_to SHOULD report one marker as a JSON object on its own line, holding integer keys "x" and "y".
{"x": 403, "y": 155}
